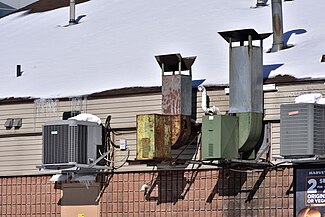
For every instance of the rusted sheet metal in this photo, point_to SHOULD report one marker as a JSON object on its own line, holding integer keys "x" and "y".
{"x": 157, "y": 134}
{"x": 153, "y": 137}
{"x": 181, "y": 130}
{"x": 177, "y": 94}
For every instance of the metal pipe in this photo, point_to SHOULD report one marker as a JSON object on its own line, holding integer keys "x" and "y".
{"x": 72, "y": 12}
{"x": 204, "y": 104}
{"x": 277, "y": 20}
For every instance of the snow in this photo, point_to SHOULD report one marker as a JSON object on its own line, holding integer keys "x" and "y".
{"x": 114, "y": 45}
{"x": 309, "y": 98}
{"x": 87, "y": 117}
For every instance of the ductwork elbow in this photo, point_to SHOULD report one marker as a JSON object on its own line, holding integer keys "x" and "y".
{"x": 250, "y": 130}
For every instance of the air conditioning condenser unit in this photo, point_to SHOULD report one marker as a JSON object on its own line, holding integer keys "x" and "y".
{"x": 302, "y": 130}
{"x": 71, "y": 141}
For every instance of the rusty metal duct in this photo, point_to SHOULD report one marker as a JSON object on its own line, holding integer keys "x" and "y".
{"x": 72, "y": 12}
{"x": 277, "y": 22}
{"x": 176, "y": 87}
{"x": 157, "y": 134}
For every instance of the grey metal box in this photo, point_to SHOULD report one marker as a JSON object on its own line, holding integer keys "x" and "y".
{"x": 302, "y": 130}
{"x": 66, "y": 141}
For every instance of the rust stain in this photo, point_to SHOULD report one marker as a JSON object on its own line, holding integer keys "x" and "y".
{"x": 181, "y": 130}
{"x": 171, "y": 101}
{"x": 157, "y": 134}
{"x": 153, "y": 137}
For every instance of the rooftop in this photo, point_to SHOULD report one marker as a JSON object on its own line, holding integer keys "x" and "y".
{"x": 115, "y": 43}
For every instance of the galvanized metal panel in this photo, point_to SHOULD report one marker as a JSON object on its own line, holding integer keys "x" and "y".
{"x": 246, "y": 79}
{"x": 302, "y": 129}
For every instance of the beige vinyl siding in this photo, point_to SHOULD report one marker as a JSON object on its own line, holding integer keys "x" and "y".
{"x": 20, "y": 155}
{"x": 287, "y": 94}
{"x": 20, "y": 149}
{"x": 275, "y": 140}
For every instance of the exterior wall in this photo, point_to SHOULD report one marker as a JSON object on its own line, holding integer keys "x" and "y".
{"x": 20, "y": 149}
{"x": 214, "y": 192}
{"x": 219, "y": 192}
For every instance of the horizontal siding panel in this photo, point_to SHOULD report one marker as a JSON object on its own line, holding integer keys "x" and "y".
{"x": 6, "y": 109}
{"x": 21, "y": 169}
{"x": 312, "y": 86}
{"x": 122, "y": 114}
{"x": 37, "y": 150}
{"x": 125, "y": 105}
{"x": 28, "y": 160}
{"x": 125, "y": 99}
{"x": 14, "y": 148}
{"x": 276, "y": 139}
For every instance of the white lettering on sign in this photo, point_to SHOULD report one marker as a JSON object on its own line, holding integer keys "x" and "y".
{"x": 293, "y": 113}
{"x": 54, "y": 132}
{"x": 312, "y": 188}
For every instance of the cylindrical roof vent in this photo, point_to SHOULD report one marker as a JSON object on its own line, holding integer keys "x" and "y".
{"x": 72, "y": 12}
{"x": 19, "y": 72}
{"x": 277, "y": 21}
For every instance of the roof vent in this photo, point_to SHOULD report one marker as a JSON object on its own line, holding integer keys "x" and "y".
{"x": 277, "y": 20}
{"x": 245, "y": 72}
{"x": 72, "y": 12}
{"x": 260, "y": 3}
{"x": 323, "y": 58}
{"x": 176, "y": 87}
{"x": 19, "y": 72}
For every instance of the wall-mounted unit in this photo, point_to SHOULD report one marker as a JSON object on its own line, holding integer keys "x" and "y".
{"x": 154, "y": 132}
{"x": 71, "y": 141}
{"x": 157, "y": 134}
{"x": 236, "y": 134}
{"x": 219, "y": 137}
{"x": 302, "y": 130}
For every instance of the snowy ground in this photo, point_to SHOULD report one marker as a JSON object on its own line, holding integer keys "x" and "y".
{"x": 114, "y": 45}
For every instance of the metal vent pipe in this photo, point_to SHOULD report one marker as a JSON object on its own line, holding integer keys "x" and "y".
{"x": 277, "y": 20}
{"x": 72, "y": 12}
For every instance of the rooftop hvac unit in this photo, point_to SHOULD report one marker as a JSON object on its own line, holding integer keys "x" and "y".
{"x": 302, "y": 130}
{"x": 67, "y": 141}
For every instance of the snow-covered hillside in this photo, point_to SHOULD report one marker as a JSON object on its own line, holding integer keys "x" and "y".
{"x": 114, "y": 45}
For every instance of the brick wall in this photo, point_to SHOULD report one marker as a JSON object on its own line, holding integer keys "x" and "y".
{"x": 199, "y": 193}
{"x": 32, "y": 196}
{"x": 219, "y": 192}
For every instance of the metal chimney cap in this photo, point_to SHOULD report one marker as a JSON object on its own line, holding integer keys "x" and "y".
{"x": 171, "y": 62}
{"x": 242, "y": 35}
